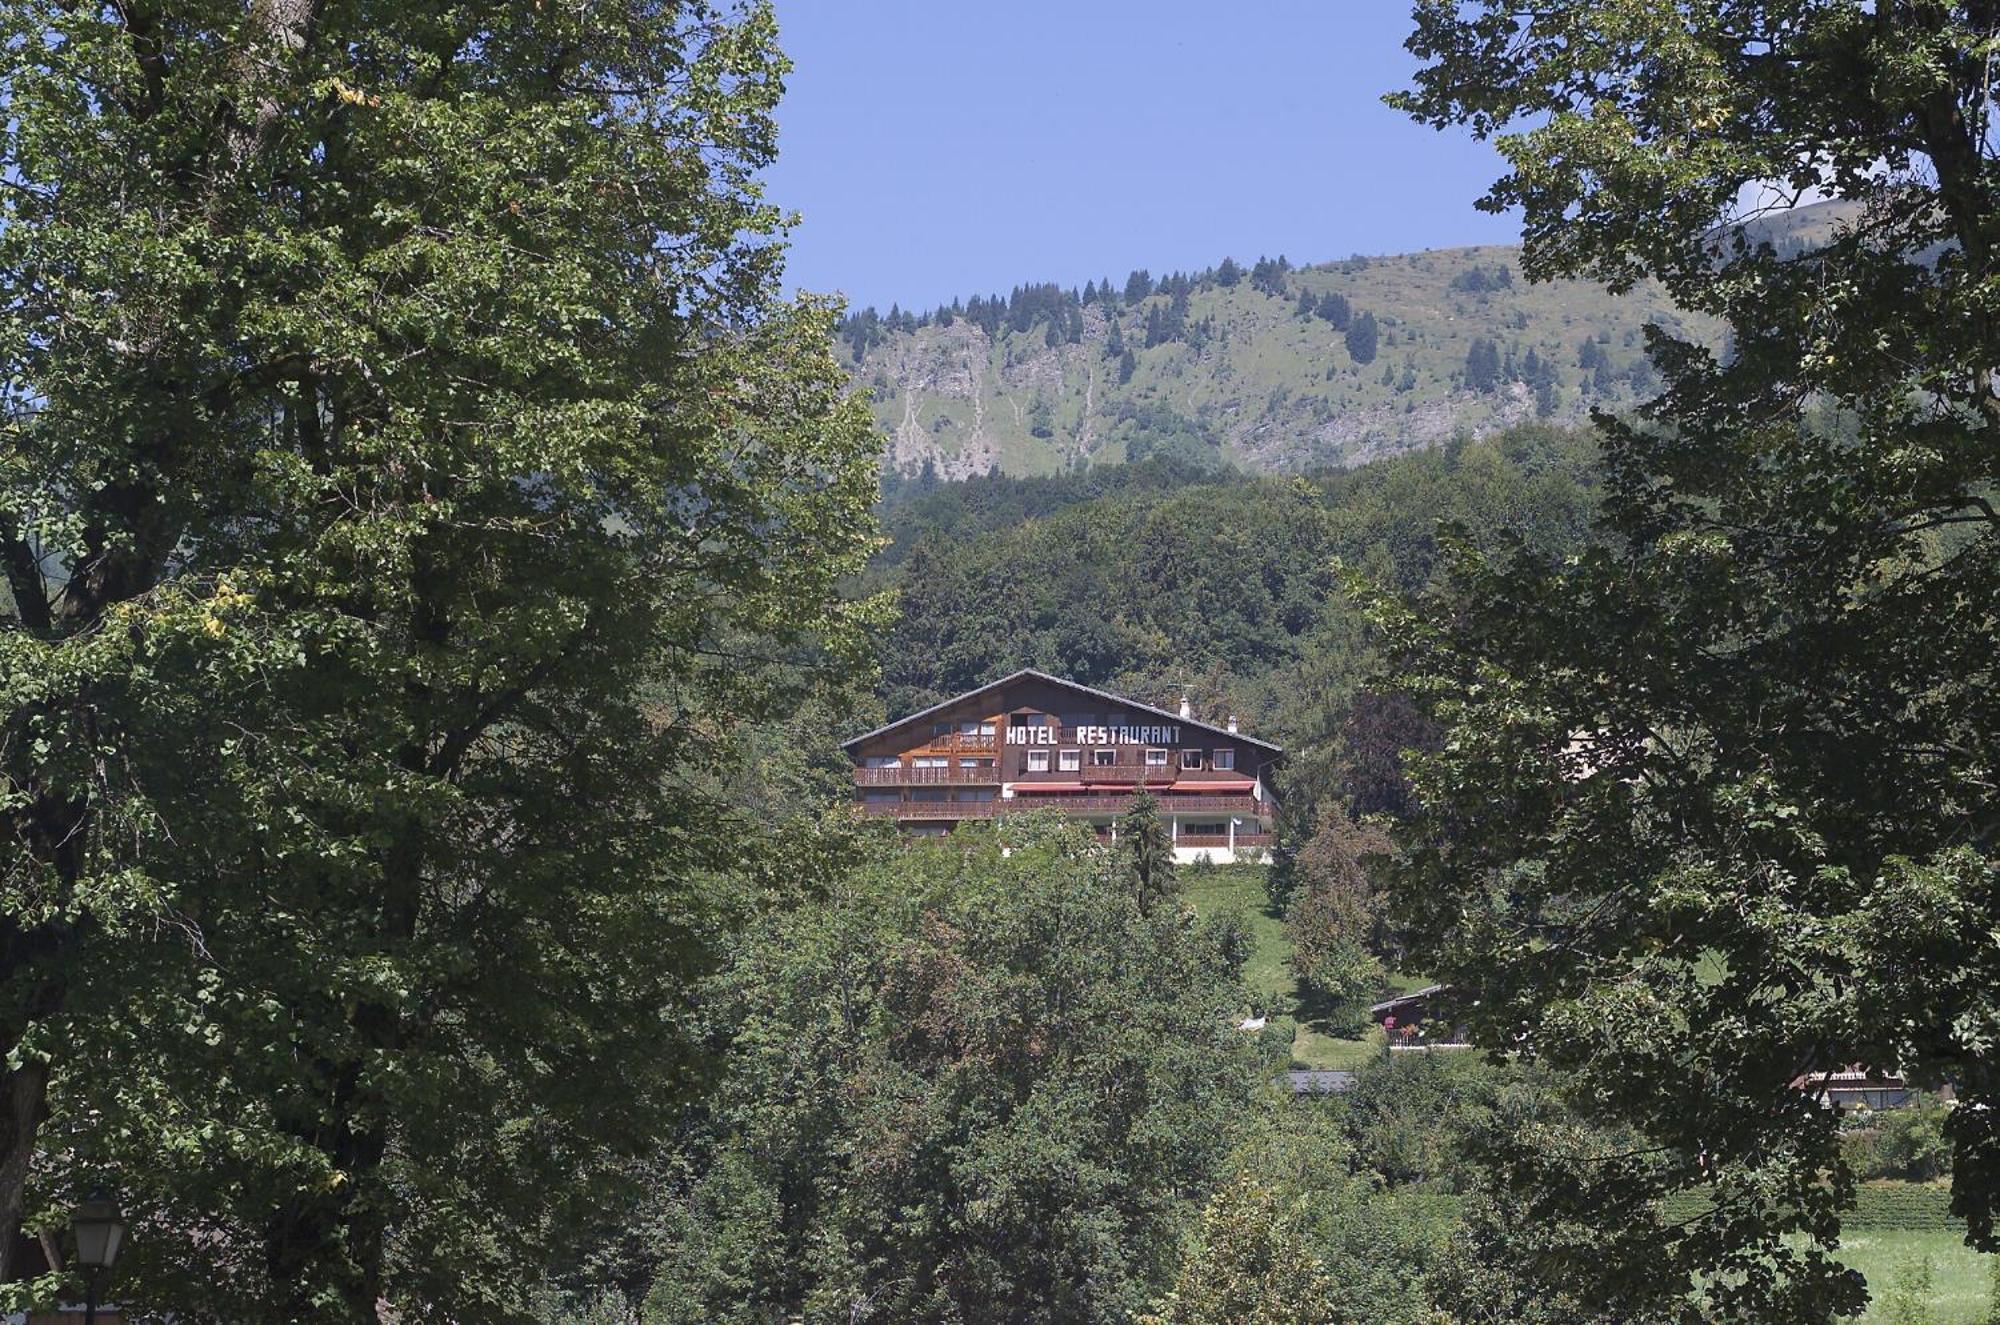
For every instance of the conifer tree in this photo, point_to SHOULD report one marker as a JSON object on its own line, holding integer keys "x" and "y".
{"x": 1151, "y": 851}
{"x": 1361, "y": 338}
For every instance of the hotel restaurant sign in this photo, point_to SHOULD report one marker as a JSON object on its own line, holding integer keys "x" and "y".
{"x": 1162, "y": 735}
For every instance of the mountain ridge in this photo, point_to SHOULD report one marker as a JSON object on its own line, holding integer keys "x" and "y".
{"x": 1246, "y": 367}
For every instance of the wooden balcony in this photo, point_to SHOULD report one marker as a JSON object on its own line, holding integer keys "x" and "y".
{"x": 970, "y": 743}
{"x": 1155, "y": 778}
{"x": 930, "y": 809}
{"x": 1245, "y": 806}
{"x": 927, "y": 777}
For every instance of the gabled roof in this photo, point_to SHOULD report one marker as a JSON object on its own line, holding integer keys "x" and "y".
{"x": 1030, "y": 674}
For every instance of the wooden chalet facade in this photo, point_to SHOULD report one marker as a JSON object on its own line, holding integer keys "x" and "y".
{"x": 1033, "y": 741}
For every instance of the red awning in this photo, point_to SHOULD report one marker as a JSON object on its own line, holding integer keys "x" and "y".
{"x": 1217, "y": 785}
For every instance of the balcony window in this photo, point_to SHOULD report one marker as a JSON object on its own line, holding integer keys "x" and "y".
{"x": 975, "y": 763}
{"x": 881, "y": 797}
{"x": 1204, "y": 830}
{"x": 1225, "y": 759}
{"x": 975, "y": 794}
{"x": 1156, "y": 759}
{"x": 930, "y": 761}
{"x": 1103, "y": 758}
{"x": 1038, "y": 761}
{"x": 928, "y": 794}
{"x": 1191, "y": 758}
{"x": 1070, "y": 760}
{"x": 881, "y": 761}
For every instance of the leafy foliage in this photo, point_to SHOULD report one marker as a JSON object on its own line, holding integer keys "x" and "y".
{"x": 402, "y": 446}
{"x": 969, "y": 1085}
{"x": 1715, "y": 798}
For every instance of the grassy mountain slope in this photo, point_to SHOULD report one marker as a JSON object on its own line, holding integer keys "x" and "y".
{"x": 1250, "y": 382}
{"x": 1259, "y": 386}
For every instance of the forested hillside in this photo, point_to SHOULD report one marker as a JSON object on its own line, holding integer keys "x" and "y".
{"x": 1156, "y": 581}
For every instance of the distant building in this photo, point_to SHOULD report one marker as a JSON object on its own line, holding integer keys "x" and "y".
{"x": 1856, "y": 1087}
{"x": 1411, "y": 1021}
{"x": 1032, "y": 741}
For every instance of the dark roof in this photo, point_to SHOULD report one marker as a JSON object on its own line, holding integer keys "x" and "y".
{"x": 1029, "y": 673}
{"x": 1319, "y": 1082}
{"x": 1423, "y": 995}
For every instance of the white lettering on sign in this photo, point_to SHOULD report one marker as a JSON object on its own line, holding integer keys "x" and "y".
{"x": 1162, "y": 735}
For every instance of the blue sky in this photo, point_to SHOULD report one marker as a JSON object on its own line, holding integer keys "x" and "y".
{"x": 944, "y": 147}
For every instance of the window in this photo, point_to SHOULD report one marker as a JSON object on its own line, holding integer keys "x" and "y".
{"x": 881, "y": 761}
{"x": 927, "y": 793}
{"x": 975, "y": 763}
{"x": 974, "y": 794}
{"x": 1191, "y": 758}
{"x": 975, "y": 729}
{"x": 1070, "y": 761}
{"x": 1156, "y": 759}
{"x": 930, "y": 761}
{"x": 1225, "y": 759}
{"x": 1204, "y": 830}
{"x": 1038, "y": 761}
{"x": 881, "y": 797}
{"x": 940, "y": 729}
{"x": 1103, "y": 758}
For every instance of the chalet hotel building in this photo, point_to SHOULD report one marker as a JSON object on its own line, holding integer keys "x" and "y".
{"x": 1033, "y": 741}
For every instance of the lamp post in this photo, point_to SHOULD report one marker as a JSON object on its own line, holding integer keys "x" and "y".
{"x": 100, "y": 1231}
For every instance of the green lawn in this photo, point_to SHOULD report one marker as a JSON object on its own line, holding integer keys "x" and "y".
{"x": 1961, "y": 1278}
{"x": 1242, "y": 887}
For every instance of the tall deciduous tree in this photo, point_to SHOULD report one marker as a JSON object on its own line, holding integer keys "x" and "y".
{"x": 968, "y": 1086}
{"x": 403, "y": 447}
{"x": 1716, "y": 801}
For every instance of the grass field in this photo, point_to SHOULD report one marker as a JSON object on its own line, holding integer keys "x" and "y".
{"x": 1242, "y": 887}
{"x": 1961, "y": 1278}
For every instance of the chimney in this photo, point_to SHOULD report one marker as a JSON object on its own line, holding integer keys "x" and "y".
{"x": 1187, "y": 709}
{"x": 1232, "y": 724}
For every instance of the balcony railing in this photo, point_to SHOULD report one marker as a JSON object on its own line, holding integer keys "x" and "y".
{"x": 1153, "y": 775}
{"x": 1025, "y": 799}
{"x": 1209, "y": 840}
{"x": 930, "y": 809}
{"x": 1247, "y": 807}
{"x": 926, "y": 777}
{"x": 983, "y": 742}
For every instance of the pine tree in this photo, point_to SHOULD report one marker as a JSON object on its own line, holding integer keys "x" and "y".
{"x": 1305, "y": 308}
{"x": 1334, "y": 309}
{"x": 1152, "y": 853}
{"x": 1128, "y": 363}
{"x": 1361, "y": 338}
{"x": 1482, "y": 365}
{"x": 1138, "y": 285}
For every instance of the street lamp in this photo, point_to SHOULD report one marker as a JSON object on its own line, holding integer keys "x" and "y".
{"x": 100, "y": 1231}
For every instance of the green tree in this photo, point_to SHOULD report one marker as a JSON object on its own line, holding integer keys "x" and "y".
{"x": 967, "y": 1086}
{"x": 1716, "y": 797}
{"x": 1151, "y": 852}
{"x": 1361, "y": 338}
{"x": 1334, "y": 914}
{"x": 1482, "y": 365}
{"x": 402, "y": 447}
